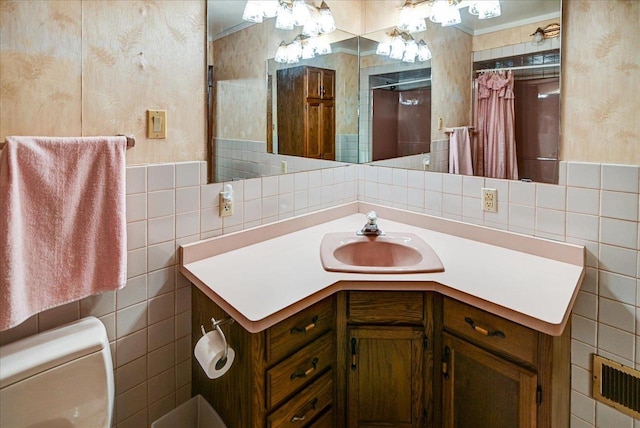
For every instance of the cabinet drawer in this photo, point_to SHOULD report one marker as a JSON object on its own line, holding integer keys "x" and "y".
{"x": 302, "y": 408}
{"x": 303, "y": 366}
{"x": 386, "y": 307}
{"x": 299, "y": 329}
{"x": 324, "y": 421}
{"x": 490, "y": 331}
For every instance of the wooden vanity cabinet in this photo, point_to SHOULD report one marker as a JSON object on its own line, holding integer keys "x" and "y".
{"x": 306, "y": 112}
{"x": 281, "y": 377}
{"x": 388, "y": 359}
{"x": 501, "y": 374}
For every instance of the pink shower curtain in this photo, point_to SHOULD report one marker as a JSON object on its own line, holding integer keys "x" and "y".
{"x": 494, "y": 154}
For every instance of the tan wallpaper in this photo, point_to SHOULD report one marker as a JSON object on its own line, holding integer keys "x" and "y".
{"x": 600, "y": 80}
{"x": 94, "y": 68}
{"x": 510, "y": 36}
{"x": 451, "y": 82}
{"x": 239, "y": 70}
{"x": 40, "y": 68}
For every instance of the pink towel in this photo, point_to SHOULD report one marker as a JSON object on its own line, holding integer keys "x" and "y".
{"x": 460, "y": 152}
{"x": 62, "y": 222}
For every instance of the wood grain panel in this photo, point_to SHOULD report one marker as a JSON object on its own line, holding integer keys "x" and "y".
{"x": 519, "y": 342}
{"x": 298, "y": 411}
{"x": 296, "y": 331}
{"x": 386, "y": 307}
{"x": 386, "y": 380}
{"x": 300, "y": 368}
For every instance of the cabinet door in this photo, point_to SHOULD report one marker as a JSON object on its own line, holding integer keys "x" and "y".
{"x": 328, "y": 85}
{"x": 314, "y": 82}
{"x": 483, "y": 390}
{"x": 386, "y": 377}
{"x": 313, "y": 129}
{"x": 328, "y": 130}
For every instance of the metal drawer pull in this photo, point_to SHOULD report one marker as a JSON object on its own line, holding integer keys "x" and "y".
{"x": 306, "y": 328}
{"x": 484, "y": 331}
{"x": 311, "y": 406}
{"x": 314, "y": 366}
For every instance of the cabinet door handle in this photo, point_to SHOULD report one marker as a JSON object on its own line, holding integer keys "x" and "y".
{"x": 304, "y": 410}
{"x": 484, "y": 331}
{"x": 306, "y": 328}
{"x": 445, "y": 362}
{"x": 354, "y": 353}
{"x": 307, "y": 372}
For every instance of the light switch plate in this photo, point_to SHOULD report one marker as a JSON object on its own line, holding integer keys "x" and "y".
{"x": 156, "y": 124}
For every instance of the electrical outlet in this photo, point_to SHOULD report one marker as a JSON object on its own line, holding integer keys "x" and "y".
{"x": 226, "y": 206}
{"x": 283, "y": 167}
{"x": 489, "y": 200}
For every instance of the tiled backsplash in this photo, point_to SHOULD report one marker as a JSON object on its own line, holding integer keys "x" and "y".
{"x": 148, "y": 322}
{"x": 237, "y": 160}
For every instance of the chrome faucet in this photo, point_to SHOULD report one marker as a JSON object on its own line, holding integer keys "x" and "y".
{"x": 371, "y": 227}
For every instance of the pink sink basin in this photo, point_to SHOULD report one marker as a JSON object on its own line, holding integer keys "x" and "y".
{"x": 390, "y": 253}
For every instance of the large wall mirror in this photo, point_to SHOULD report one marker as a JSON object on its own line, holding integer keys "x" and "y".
{"x": 386, "y": 112}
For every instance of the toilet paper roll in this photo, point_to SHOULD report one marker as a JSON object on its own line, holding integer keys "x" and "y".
{"x": 209, "y": 352}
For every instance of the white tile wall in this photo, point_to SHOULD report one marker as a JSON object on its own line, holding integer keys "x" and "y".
{"x": 595, "y": 206}
{"x": 148, "y": 321}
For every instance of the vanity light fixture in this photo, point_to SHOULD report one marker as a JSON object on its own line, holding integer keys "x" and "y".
{"x": 292, "y": 13}
{"x": 402, "y": 46}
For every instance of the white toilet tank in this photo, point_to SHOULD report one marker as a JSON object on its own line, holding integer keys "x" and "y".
{"x": 59, "y": 378}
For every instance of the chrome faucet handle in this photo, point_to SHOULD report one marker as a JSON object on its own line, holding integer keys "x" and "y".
{"x": 371, "y": 227}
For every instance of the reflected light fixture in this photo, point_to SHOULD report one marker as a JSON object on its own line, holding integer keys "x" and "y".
{"x": 302, "y": 47}
{"x": 402, "y": 46}
{"x": 444, "y": 12}
{"x": 410, "y": 21}
{"x": 485, "y": 9}
{"x": 290, "y": 14}
{"x": 548, "y": 32}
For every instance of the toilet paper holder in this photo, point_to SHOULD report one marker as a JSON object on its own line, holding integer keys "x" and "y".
{"x": 216, "y": 325}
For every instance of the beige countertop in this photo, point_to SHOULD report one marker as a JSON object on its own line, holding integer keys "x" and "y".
{"x": 263, "y": 275}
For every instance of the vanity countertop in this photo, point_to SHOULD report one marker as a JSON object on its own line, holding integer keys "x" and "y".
{"x": 263, "y": 275}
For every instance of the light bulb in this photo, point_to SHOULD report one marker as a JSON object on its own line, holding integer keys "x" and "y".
{"x": 326, "y": 23}
{"x": 407, "y": 11}
{"x": 485, "y": 9}
{"x": 284, "y": 21}
{"x": 311, "y": 28}
{"x": 410, "y": 51}
{"x": 253, "y": 12}
{"x": 281, "y": 53}
{"x": 301, "y": 13}
{"x": 383, "y": 49}
{"x": 397, "y": 48}
{"x": 295, "y": 51}
{"x": 424, "y": 54}
{"x": 308, "y": 51}
{"x": 438, "y": 11}
{"x": 322, "y": 45}
{"x": 452, "y": 17}
{"x": 270, "y": 8}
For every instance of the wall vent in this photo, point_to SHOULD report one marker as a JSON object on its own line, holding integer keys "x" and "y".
{"x": 616, "y": 385}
